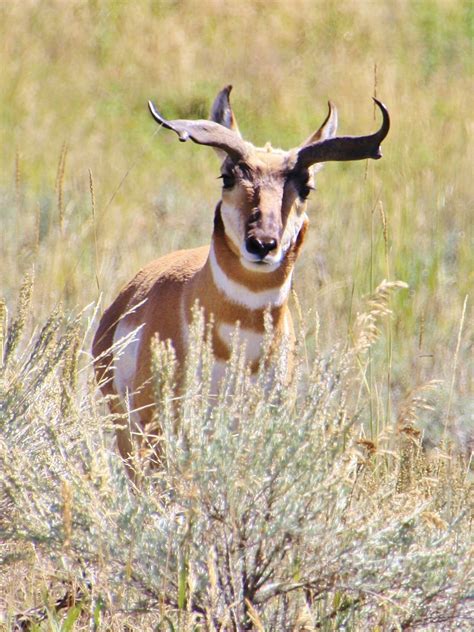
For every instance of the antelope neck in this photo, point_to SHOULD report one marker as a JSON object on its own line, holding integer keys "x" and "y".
{"x": 231, "y": 292}
{"x": 253, "y": 289}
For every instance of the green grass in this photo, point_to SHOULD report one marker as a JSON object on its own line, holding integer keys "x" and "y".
{"x": 91, "y": 189}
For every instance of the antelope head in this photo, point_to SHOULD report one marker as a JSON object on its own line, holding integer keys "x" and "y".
{"x": 264, "y": 191}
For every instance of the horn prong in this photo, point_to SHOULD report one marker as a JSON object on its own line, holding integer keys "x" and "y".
{"x": 346, "y": 147}
{"x": 182, "y": 134}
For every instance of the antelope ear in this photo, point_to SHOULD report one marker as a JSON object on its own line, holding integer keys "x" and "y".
{"x": 327, "y": 130}
{"x": 222, "y": 113}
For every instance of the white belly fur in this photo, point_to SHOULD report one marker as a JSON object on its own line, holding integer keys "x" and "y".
{"x": 126, "y": 345}
{"x": 248, "y": 337}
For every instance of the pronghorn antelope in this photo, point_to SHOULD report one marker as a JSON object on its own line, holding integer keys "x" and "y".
{"x": 259, "y": 228}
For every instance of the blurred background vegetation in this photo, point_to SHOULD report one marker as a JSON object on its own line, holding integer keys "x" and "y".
{"x": 91, "y": 189}
{"x": 374, "y": 526}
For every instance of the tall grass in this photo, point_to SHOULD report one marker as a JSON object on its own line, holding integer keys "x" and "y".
{"x": 340, "y": 502}
{"x": 271, "y": 511}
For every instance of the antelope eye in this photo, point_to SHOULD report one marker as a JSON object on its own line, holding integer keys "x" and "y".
{"x": 304, "y": 190}
{"x": 228, "y": 180}
{"x": 302, "y": 183}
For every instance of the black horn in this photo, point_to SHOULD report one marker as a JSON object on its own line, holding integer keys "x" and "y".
{"x": 346, "y": 147}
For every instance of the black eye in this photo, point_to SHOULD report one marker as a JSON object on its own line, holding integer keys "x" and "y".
{"x": 302, "y": 182}
{"x": 228, "y": 180}
{"x": 304, "y": 190}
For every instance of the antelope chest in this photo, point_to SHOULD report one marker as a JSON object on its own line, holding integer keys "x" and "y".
{"x": 249, "y": 339}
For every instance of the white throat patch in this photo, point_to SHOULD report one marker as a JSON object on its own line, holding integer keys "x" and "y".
{"x": 242, "y": 295}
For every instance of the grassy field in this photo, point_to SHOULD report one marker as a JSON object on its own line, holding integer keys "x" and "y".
{"x": 347, "y": 505}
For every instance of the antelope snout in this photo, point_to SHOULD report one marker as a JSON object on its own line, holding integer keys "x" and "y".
{"x": 260, "y": 246}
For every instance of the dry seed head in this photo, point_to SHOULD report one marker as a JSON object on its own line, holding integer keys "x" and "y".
{"x": 366, "y": 330}
{"x": 69, "y": 371}
{"x": 409, "y": 431}
{"x": 414, "y": 402}
{"x": 368, "y": 445}
{"x": 298, "y": 309}
{"x": 164, "y": 368}
{"x": 16, "y": 329}
{"x": 412, "y": 459}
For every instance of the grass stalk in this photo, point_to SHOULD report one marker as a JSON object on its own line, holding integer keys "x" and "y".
{"x": 94, "y": 225}
{"x": 447, "y": 419}
{"x": 60, "y": 186}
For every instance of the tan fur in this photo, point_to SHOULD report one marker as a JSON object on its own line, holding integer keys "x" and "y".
{"x": 164, "y": 290}
{"x": 157, "y": 291}
{"x": 259, "y": 227}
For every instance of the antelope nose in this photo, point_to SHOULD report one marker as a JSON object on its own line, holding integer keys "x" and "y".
{"x": 260, "y": 247}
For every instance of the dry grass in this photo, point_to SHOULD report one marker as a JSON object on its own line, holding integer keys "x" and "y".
{"x": 90, "y": 190}
{"x": 295, "y": 522}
